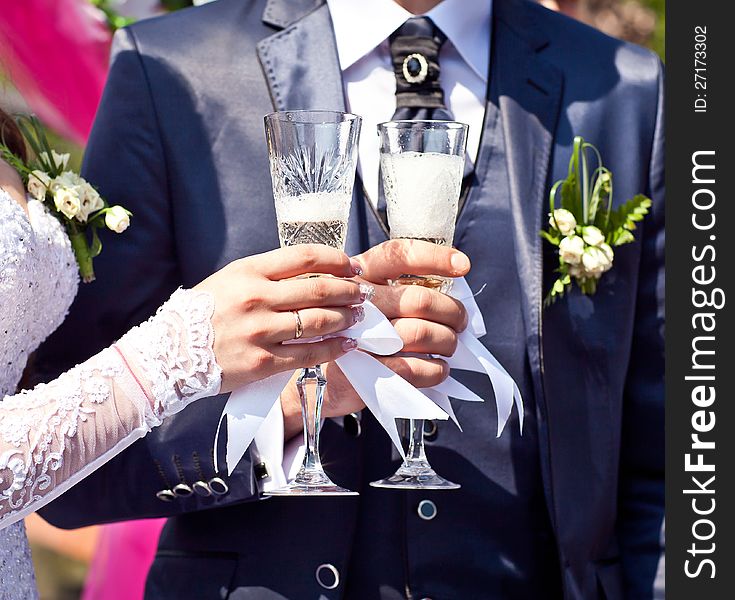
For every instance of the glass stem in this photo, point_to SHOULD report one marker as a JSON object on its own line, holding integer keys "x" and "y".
{"x": 312, "y": 419}
{"x": 416, "y": 453}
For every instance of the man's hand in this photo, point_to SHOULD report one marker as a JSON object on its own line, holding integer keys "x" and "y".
{"x": 427, "y": 321}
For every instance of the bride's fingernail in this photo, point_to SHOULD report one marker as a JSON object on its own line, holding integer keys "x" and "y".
{"x": 358, "y": 314}
{"x": 349, "y": 344}
{"x": 367, "y": 292}
{"x": 356, "y": 267}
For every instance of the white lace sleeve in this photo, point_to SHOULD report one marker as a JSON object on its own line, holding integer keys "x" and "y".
{"x": 53, "y": 436}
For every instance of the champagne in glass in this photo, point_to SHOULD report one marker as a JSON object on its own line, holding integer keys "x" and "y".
{"x": 315, "y": 218}
{"x": 422, "y": 166}
{"x": 313, "y": 155}
{"x": 422, "y": 193}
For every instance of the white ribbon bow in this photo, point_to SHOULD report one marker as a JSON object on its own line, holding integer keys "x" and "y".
{"x": 387, "y": 395}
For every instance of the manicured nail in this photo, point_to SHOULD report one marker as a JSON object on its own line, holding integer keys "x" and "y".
{"x": 356, "y": 267}
{"x": 358, "y": 314}
{"x": 349, "y": 344}
{"x": 460, "y": 263}
{"x": 367, "y": 292}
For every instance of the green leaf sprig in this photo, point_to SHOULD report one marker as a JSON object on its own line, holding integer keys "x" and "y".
{"x": 114, "y": 19}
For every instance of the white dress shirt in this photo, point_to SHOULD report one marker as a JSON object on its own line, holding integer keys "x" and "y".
{"x": 362, "y": 28}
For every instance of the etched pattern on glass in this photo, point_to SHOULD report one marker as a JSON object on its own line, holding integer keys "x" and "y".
{"x": 329, "y": 233}
{"x": 311, "y": 170}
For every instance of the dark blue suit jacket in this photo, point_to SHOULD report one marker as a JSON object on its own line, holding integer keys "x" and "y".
{"x": 179, "y": 140}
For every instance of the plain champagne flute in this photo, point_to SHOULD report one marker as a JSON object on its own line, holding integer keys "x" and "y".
{"x": 422, "y": 167}
{"x": 313, "y": 155}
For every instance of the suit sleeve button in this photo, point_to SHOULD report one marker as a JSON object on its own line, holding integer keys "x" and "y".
{"x": 218, "y": 486}
{"x": 431, "y": 430}
{"x": 182, "y": 490}
{"x": 201, "y": 488}
{"x": 426, "y": 510}
{"x": 327, "y": 576}
{"x": 165, "y": 495}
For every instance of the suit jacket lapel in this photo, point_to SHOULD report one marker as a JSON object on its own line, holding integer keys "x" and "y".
{"x": 282, "y": 13}
{"x": 529, "y": 92}
{"x": 300, "y": 62}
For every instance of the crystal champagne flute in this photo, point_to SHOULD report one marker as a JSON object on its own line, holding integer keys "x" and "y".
{"x": 313, "y": 155}
{"x": 422, "y": 167}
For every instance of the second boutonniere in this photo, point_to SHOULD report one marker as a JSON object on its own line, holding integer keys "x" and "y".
{"x": 66, "y": 195}
{"x": 584, "y": 226}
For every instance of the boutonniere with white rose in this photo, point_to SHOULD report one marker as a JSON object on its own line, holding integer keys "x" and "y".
{"x": 584, "y": 227}
{"x": 69, "y": 197}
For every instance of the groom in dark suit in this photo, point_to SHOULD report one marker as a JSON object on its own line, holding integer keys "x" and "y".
{"x": 573, "y": 508}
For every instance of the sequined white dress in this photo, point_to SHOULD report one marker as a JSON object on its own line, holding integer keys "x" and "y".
{"x": 58, "y": 433}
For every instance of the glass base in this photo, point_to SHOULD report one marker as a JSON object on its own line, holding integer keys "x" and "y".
{"x": 310, "y": 490}
{"x": 311, "y": 484}
{"x": 413, "y": 478}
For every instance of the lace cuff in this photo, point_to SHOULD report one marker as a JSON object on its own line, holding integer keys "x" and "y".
{"x": 172, "y": 354}
{"x": 53, "y": 436}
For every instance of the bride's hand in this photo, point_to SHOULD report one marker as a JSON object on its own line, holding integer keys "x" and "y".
{"x": 253, "y": 302}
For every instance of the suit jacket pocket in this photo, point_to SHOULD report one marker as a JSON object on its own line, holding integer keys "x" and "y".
{"x": 191, "y": 575}
{"x": 610, "y": 579}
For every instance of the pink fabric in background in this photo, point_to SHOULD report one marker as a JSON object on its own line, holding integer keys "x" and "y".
{"x": 56, "y": 53}
{"x": 124, "y": 553}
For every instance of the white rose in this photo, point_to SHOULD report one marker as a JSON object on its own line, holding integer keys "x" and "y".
{"x": 67, "y": 179}
{"x": 571, "y": 249}
{"x": 91, "y": 201}
{"x": 595, "y": 262}
{"x": 608, "y": 251}
{"x": 577, "y": 271}
{"x": 592, "y": 235}
{"x": 67, "y": 202}
{"x": 38, "y": 183}
{"x": 117, "y": 219}
{"x": 59, "y": 160}
{"x": 563, "y": 220}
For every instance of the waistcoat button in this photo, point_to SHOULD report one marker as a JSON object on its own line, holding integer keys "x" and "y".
{"x": 327, "y": 576}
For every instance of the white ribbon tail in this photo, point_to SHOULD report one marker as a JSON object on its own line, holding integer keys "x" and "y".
{"x": 245, "y": 411}
{"x": 387, "y": 395}
{"x": 461, "y": 291}
{"x": 470, "y": 353}
{"x": 454, "y": 389}
{"x": 442, "y": 400}
{"x": 450, "y": 387}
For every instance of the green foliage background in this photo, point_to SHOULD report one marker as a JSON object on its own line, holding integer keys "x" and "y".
{"x": 658, "y": 43}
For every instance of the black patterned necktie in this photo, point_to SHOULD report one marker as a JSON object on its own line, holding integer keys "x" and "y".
{"x": 414, "y": 49}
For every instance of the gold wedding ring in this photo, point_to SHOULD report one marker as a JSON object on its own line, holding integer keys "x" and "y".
{"x": 299, "y": 325}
